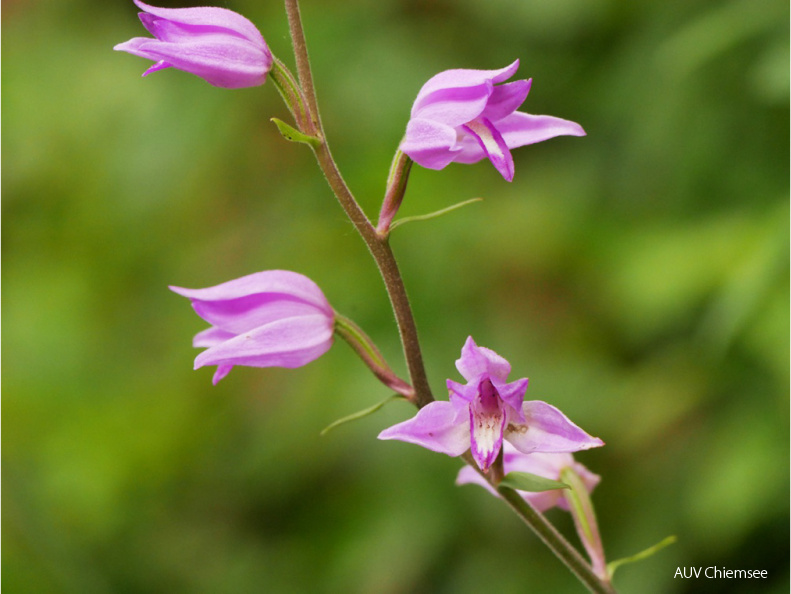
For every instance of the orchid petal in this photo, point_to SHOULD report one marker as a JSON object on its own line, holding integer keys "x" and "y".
{"x": 469, "y": 150}
{"x": 213, "y": 17}
{"x": 429, "y": 144}
{"x": 133, "y": 47}
{"x": 220, "y": 46}
{"x": 513, "y": 394}
{"x": 434, "y": 427}
{"x": 174, "y": 32}
{"x": 543, "y": 464}
{"x": 161, "y": 65}
{"x": 461, "y": 395}
{"x": 453, "y": 107}
{"x": 463, "y": 77}
{"x": 476, "y": 361}
{"x": 506, "y": 99}
{"x": 245, "y": 303}
{"x": 211, "y": 337}
{"x": 268, "y": 281}
{"x": 246, "y": 313}
{"x": 290, "y": 343}
{"x": 546, "y": 429}
{"x": 209, "y": 58}
{"x": 221, "y": 372}
{"x": 520, "y": 129}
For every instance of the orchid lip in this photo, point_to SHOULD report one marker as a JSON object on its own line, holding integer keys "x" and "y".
{"x": 493, "y": 144}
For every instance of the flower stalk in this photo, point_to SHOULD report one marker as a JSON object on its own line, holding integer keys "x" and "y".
{"x": 303, "y": 63}
{"x": 546, "y": 532}
{"x": 394, "y": 194}
{"x": 377, "y": 245}
{"x": 370, "y": 355}
{"x": 555, "y": 541}
{"x": 376, "y": 239}
{"x": 289, "y": 90}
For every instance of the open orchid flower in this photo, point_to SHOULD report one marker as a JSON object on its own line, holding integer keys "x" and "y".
{"x": 217, "y": 44}
{"x": 486, "y": 410}
{"x": 540, "y": 463}
{"x": 464, "y": 116}
{"x": 274, "y": 318}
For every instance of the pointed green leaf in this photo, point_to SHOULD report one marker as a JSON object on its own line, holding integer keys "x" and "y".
{"x": 294, "y": 135}
{"x": 524, "y": 481}
{"x": 362, "y": 413}
{"x": 613, "y": 565}
{"x": 433, "y": 215}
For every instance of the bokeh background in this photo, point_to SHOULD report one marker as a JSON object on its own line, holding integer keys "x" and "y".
{"x": 638, "y": 276}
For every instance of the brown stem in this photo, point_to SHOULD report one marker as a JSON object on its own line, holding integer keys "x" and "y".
{"x": 388, "y": 267}
{"x": 303, "y": 63}
{"x": 378, "y": 245}
{"x": 370, "y": 355}
{"x": 555, "y": 541}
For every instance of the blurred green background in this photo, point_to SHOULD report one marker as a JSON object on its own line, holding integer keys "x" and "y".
{"x": 638, "y": 276}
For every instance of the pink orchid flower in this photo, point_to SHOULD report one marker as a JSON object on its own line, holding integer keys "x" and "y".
{"x": 216, "y": 44}
{"x": 274, "y": 318}
{"x": 464, "y": 116}
{"x": 485, "y": 411}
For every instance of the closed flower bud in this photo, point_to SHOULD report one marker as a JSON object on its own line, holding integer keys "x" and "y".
{"x": 217, "y": 44}
{"x": 274, "y": 318}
